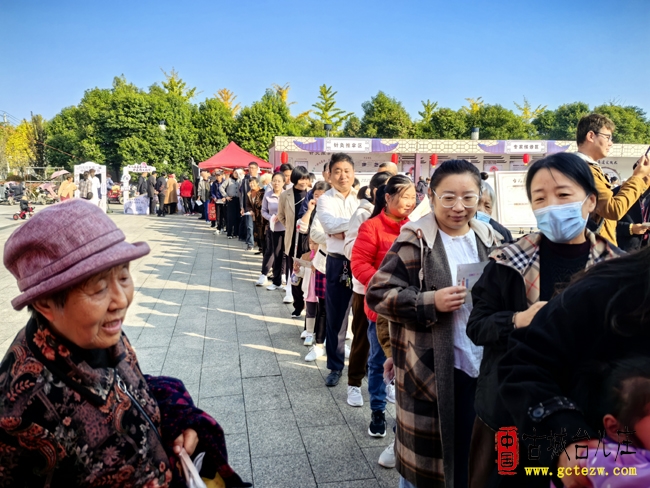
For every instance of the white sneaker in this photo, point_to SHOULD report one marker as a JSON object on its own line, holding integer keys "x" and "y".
{"x": 261, "y": 280}
{"x": 347, "y": 352}
{"x": 314, "y": 353}
{"x": 304, "y": 334}
{"x": 309, "y": 340}
{"x": 354, "y": 396}
{"x": 272, "y": 287}
{"x": 288, "y": 298}
{"x": 284, "y": 279}
{"x": 390, "y": 392}
{"x": 387, "y": 457}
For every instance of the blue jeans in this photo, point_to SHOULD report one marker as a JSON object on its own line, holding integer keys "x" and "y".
{"x": 376, "y": 359}
{"x": 248, "y": 224}
{"x": 403, "y": 483}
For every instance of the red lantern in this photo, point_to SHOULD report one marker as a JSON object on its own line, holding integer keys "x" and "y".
{"x": 433, "y": 159}
{"x": 526, "y": 158}
{"x": 284, "y": 157}
{"x": 394, "y": 158}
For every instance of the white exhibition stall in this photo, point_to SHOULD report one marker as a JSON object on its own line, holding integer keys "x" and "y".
{"x": 100, "y": 172}
{"x": 138, "y": 205}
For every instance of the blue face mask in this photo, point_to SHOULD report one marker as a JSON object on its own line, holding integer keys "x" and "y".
{"x": 561, "y": 223}
{"x": 483, "y": 217}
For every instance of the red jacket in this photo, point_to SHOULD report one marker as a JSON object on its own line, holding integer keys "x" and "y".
{"x": 376, "y": 236}
{"x": 187, "y": 189}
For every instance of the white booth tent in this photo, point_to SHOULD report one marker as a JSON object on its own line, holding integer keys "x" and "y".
{"x": 139, "y": 205}
{"x": 100, "y": 172}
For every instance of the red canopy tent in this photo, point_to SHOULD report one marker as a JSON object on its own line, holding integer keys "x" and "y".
{"x": 232, "y": 156}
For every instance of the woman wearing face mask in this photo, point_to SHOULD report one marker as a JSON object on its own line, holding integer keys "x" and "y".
{"x": 434, "y": 361}
{"x": 521, "y": 277}
{"x": 485, "y": 207}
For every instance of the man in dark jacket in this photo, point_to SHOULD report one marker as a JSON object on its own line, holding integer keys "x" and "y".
{"x": 161, "y": 188}
{"x": 246, "y": 209}
{"x": 151, "y": 192}
{"x": 632, "y": 229}
{"x": 142, "y": 184}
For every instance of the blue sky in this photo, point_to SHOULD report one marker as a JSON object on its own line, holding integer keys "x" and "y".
{"x": 552, "y": 52}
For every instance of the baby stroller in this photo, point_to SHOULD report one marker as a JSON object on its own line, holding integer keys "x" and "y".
{"x": 26, "y": 210}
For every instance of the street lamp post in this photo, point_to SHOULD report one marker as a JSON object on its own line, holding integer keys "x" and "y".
{"x": 328, "y": 128}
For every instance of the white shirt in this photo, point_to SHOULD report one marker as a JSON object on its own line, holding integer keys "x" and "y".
{"x": 463, "y": 250}
{"x": 95, "y": 185}
{"x": 334, "y": 212}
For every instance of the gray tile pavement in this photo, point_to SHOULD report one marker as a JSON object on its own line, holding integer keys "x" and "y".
{"x": 197, "y": 316}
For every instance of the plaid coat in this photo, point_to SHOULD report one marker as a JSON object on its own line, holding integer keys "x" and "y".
{"x": 422, "y": 343}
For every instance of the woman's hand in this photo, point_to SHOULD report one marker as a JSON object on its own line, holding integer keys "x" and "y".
{"x": 296, "y": 267}
{"x": 311, "y": 205}
{"x": 639, "y": 229}
{"x": 523, "y": 319}
{"x": 450, "y": 299}
{"x": 188, "y": 440}
{"x": 389, "y": 372}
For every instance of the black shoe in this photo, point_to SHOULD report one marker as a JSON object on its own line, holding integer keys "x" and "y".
{"x": 333, "y": 378}
{"x": 296, "y": 313}
{"x": 377, "y": 424}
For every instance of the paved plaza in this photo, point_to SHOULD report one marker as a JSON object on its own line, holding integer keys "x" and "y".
{"x": 198, "y": 316}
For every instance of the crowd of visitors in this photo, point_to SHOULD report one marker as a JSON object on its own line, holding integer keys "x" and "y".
{"x": 543, "y": 343}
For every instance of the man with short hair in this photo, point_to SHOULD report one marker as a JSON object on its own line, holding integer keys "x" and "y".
{"x": 594, "y": 138}
{"x": 286, "y": 169}
{"x": 142, "y": 184}
{"x": 334, "y": 210}
{"x": 84, "y": 185}
{"x": 387, "y": 167}
{"x": 203, "y": 194}
{"x": 95, "y": 187}
{"x": 151, "y": 192}
{"x": 310, "y": 194}
{"x": 246, "y": 209}
{"x": 161, "y": 189}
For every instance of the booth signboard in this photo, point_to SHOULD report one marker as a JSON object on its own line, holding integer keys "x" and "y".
{"x": 137, "y": 206}
{"x": 100, "y": 172}
{"x": 348, "y": 145}
{"x": 514, "y": 208}
{"x": 139, "y": 168}
{"x": 525, "y": 147}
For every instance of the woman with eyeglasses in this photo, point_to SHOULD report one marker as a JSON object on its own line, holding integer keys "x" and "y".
{"x": 520, "y": 279}
{"x": 434, "y": 362}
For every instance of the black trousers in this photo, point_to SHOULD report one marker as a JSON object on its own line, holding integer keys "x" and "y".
{"x": 152, "y": 204}
{"x": 187, "y": 204}
{"x": 337, "y": 304}
{"x": 269, "y": 256}
{"x": 234, "y": 217}
{"x": 162, "y": 208}
{"x": 279, "y": 259}
{"x": 221, "y": 216}
{"x": 464, "y": 392}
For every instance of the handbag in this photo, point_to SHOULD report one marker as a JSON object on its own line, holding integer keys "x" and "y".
{"x": 212, "y": 211}
{"x": 89, "y": 196}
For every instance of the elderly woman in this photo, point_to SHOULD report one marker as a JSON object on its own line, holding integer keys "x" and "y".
{"x": 75, "y": 408}
{"x": 67, "y": 189}
{"x": 485, "y": 208}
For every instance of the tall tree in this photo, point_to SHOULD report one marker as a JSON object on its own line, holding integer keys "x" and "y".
{"x": 385, "y": 117}
{"x": 447, "y": 124}
{"x": 214, "y": 124}
{"x": 227, "y": 97}
{"x": 257, "y": 125}
{"x": 352, "y": 127}
{"x": 527, "y": 112}
{"x": 37, "y": 140}
{"x": 632, "y": 127}
{"x": 427, "y": 111}
{"x": 473, "y": 106}
{"x": 326, "y": 110}
{"x": 561, "y": 124}
{"x": 176, "y": 86}
{"x": 497, "y": 122}
{"x": 18, "y": 148}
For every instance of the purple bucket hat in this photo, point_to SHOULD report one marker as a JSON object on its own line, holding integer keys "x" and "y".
{"x": 63, "y": 245}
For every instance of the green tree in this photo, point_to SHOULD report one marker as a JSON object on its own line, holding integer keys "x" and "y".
{"x": 352, "y": 127}
{"x": 385, "y": 117}
{"x": 497, "y": 122}
{"x": 528, "y": 113}
{"x": 257, "y": 125}
{"x": 632, "y": 126}
{"x": 227, "y": 97}
{"x": 214, "y": 124}
{"x": 428, "y": 109}
{"x": 174, "y": 85}
{"x": 18, "y": 149}
{"x": 447, "y": 124}
{"x": 473, "y": 106}
{"x": 561, "y": 124}
{"x": 326, "y": 110}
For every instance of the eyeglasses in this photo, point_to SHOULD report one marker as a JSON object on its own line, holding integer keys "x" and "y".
{"x": 449, "y": 201}
{"x": 606, "y": 136}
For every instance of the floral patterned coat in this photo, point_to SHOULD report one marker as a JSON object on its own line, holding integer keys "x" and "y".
{"x": 66, "y": 423}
